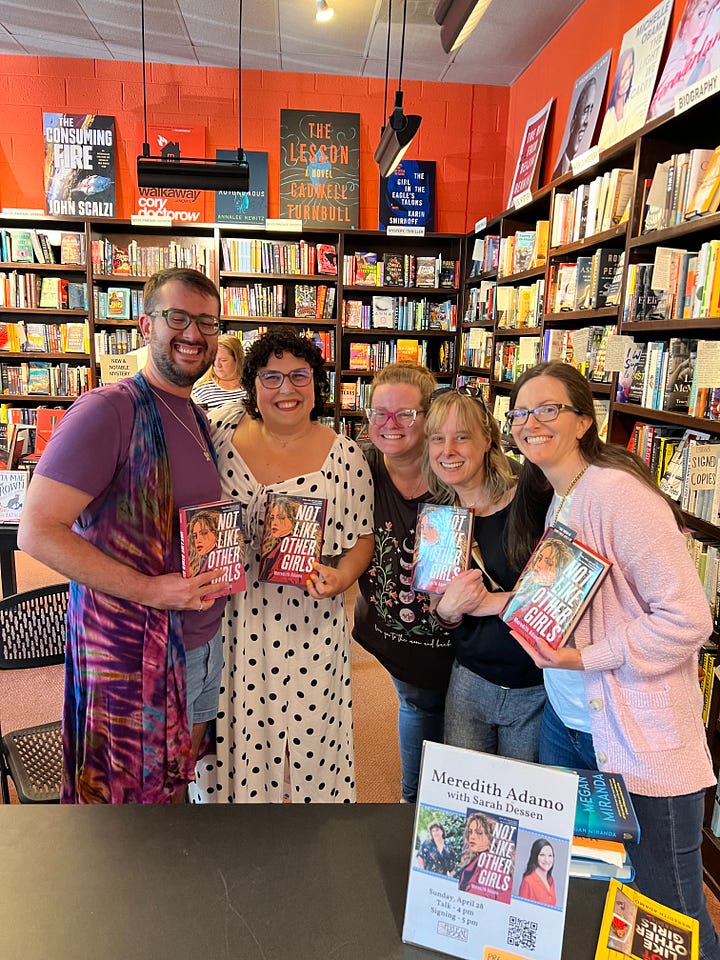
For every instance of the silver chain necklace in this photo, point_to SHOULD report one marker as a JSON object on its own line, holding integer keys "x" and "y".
{"x": 198, "y": 439}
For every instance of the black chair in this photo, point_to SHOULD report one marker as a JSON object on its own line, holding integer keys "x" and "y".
{"x": 32, "y": 634}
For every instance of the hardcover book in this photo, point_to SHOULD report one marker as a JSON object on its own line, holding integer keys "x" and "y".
{"x": 118, "y": 303}
{"x": 503, "y": 891}
{"x": 366, "y": 269}
{"x": 425, "y": 271}
{"x": 635, "y": 927}
{"x": 604, "y": 809}
{"x": 393, "y": 270}
{"x": 443, "y": 539}
{"x": 13, "y": 486}
{"x": 326, "y": 258}
{"x": 292, "y": 539}
{"x": 555, "y": 588}
{"x": 211, "y": 538}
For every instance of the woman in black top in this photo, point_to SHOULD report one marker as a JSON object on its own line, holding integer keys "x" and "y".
{"x": 496, "y": 695}
{"x": 392, "y": 621}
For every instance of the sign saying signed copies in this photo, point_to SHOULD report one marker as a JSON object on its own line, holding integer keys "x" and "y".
{"x": 490, "y": 858}
{"x": 320, "y": 168}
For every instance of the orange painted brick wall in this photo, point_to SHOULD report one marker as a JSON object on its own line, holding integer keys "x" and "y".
{"x": 463, "y": 128}
{"x": 597, "y": 26}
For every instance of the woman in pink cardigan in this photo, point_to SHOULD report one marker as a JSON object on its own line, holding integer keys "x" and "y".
{"x": 623, "y": 696}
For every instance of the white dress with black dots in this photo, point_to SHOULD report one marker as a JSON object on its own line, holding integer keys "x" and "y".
{"x": 286, "y": 679}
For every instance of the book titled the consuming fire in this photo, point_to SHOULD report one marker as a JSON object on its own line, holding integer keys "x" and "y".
{"x": 443, "y": 537}
{"x": 211, "y": 539}
{"x": 553, "y": 591}
{"x": 292, "y": 538}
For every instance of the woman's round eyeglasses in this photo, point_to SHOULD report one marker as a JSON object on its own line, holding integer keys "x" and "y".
{"x": 274, "y": 379}
{"x": 545, "y": 413}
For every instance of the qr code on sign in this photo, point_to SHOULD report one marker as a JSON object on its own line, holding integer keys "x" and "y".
{"x": 522, "y": 933}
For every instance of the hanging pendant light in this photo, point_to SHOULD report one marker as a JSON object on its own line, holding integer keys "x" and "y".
{"x": 400, "y": 129}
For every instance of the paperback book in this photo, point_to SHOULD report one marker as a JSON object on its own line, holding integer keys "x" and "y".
{"x": 634, "y": 927}
{"x": 555, "y": 588}
{"x": 503, "y": 891}
{"x": 443, "y": 539}
{"x": 292, "y": 539}
{"x": 211, "y": 538}
{"x": 600, "y": 860}
{"x": 13, "y": 486}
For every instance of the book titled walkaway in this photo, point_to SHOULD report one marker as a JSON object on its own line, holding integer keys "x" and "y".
{"x": 211, "y": 539}
{"x": 553, "y": 591}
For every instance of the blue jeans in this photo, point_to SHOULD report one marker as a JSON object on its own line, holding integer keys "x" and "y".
{"x": 203, "y": 672}
{"x": 420, "y": 717}
{"x": 480, "y": 715}
{"x": 667, "y": 861}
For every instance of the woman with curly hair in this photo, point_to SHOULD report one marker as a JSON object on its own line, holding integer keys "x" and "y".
{"x": 285, "y": 706}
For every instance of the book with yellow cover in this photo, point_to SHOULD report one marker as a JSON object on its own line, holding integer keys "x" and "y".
{"x": 634, "y": 927}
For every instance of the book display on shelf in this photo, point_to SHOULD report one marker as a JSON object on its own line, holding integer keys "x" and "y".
{"x": 79, "y": 165}
{"x": 583, "y": 115}
{"x": 407, "y": 196}
{"x": 527, "y": 167}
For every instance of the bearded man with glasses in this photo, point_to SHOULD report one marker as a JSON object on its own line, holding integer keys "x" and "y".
{"x": 144, "y": 653}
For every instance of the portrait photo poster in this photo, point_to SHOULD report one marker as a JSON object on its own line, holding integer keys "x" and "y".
{"x": 635, "y": 74}
{"x": 501, "y": 880}
{"x": 527, "y": 168}
{"x": 694, "y": 54}
{"x": 582, "y": 120}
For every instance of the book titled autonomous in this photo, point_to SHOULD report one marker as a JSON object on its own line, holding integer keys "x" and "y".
{"x": 211, "y": 538}
{"x": 555, "y": 588}
{"x": 292, "y": 539}
{"x": 506, "y": 821}
{"x": 443, "y": 538}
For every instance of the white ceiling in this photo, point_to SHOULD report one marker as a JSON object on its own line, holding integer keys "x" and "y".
{"x": 283, "y": 35}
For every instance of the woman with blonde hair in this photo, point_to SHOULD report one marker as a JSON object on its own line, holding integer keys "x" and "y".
{"x": 496, "y": 697}
{"x": 393, "y": 621}
{"x": 221, "y": 383}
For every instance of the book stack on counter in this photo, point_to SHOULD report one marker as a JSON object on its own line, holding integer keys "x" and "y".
{"x": 604, "y": 820}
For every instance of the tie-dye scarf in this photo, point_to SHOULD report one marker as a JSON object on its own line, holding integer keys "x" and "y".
{"x": 125, "y": 731}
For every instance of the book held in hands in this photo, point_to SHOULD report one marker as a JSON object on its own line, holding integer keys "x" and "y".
{"x": 211, "y": 538}
{"x": 292, "y": 538}
{"x": 555, "y": 588}
{"x": 502, "y": 888}
{"x": 443, "y": 537}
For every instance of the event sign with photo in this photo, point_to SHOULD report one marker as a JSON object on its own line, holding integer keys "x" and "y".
{"x": 583, "y": 115}
{"x": 184, "y": 204}
{"x": 320, "y": 168}
{"x": 232, "y": 206}
{"x": 79, "y": 165}
{"x": 490, "y": 857}
{"x": 527, "y": 168}
{"x": 407, "y": 196}
{"x": 694, "y": 55}
{"x": 635, "y": 75}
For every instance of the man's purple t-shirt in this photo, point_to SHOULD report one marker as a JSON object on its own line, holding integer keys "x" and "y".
{"x": 91, "y": 441}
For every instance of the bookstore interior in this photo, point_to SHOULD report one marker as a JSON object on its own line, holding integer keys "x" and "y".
{"x": 572, "y": 214}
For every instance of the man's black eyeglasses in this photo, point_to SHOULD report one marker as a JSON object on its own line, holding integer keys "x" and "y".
{"x": 181, "y": 320}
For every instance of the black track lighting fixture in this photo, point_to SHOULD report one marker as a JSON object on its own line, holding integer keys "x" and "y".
{"x": 400, "y": 129}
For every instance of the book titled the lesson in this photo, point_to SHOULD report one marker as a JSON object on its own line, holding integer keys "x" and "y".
{"x": 211, "y": 538}
{"x": 292, "y": 538}
{"x": 634, "y": 927}
{"x": 501, "y": 886}
{"x": 443, "y": 537}
{"x": 554, "y": 590}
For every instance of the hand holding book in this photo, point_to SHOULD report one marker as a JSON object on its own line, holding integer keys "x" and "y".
{"x": 468, "y": 595}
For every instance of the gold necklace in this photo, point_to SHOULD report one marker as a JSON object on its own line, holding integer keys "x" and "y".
{"x": 569, "y": 490}
{"x": 198, "y": 440}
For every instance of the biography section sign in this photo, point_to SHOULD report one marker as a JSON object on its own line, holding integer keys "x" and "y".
{"x": 320, "y": 168}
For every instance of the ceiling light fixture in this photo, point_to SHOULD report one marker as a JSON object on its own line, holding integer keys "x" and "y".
{"x": 400, "y": 130}
{"x": 193, "y": 173}
{"x": 458, "y": 19}
{"x": 324, "y": 11}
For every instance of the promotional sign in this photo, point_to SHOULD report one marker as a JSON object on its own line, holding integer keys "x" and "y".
{"x": 527, "y": 168}
{"x": 79, "y": 165}
{"x": 320, "y": 168}
{"x": 407, "y": 196}
{"x": 181, "y": 203}
{"x": 232, "y": 206}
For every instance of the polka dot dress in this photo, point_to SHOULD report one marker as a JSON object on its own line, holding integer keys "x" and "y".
{"x": 286, "y": 680}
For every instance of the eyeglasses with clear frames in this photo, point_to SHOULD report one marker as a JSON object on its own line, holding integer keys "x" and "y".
{"x": 545, "y": 413}
{"x": 274, "y": 379}
{"x": 402, "y": 418}
{"x": 181, "y": 320}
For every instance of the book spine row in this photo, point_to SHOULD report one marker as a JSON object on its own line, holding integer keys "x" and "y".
{"x": 679, "y": 284}
{"x": 513, "y": 357}
{"x": 44, "y": 337}
{"x": 254, "y": 300}
{"x": 135, "y": 260}
{"x": 255, "y": 255}
{"x": 520, "y": 306}
{"x": 115, "y": 342}
{"x": 588, "y": 283}
{"x": 592, "y": 207}
{"x": 480, "y": 307}
{"x": 523, "y": 250}
{"x": 56, "y": 380}
{"x": 583, "y": 349}
{"x": 476, "y": 348}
